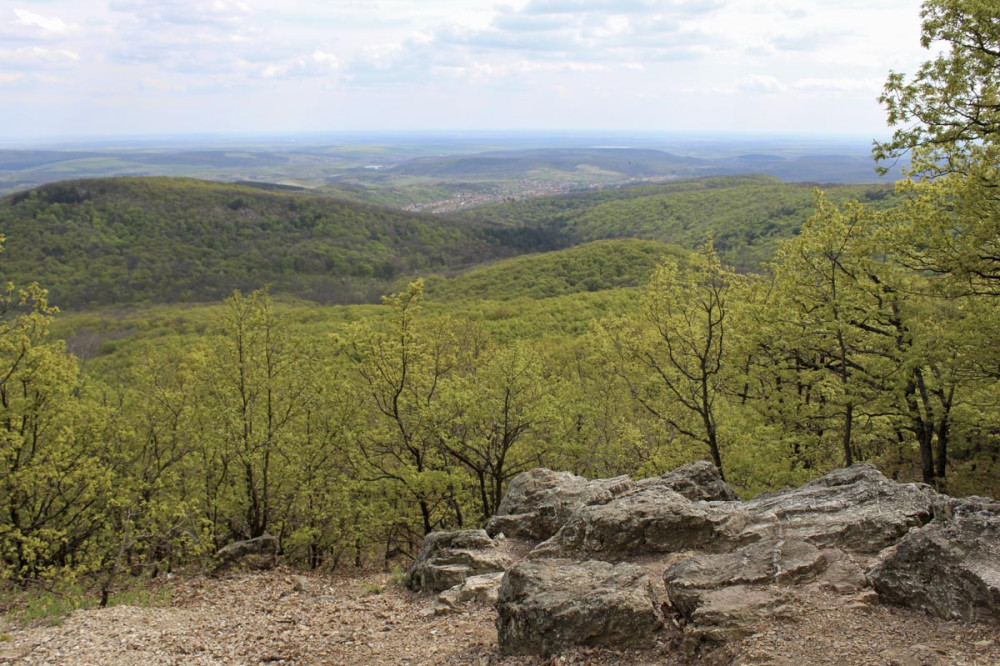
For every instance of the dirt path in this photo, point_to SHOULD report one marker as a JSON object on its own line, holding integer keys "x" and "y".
{"x": 281, "y": 617}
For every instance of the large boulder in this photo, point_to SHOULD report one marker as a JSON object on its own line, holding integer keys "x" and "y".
{"x": 950, "y": 567}
{"x": 256, "y": 553}
{"x": 855, "y": 509}
{"x": 484, "y": 589}
{"x": 771, "y": 561}
{"x": 550, "y": 605}
{"x": 654, "y": 519}
{"x": 729, "y": 613}
{"x": 539, "y": 501}
{"x": 448, "y": 558}
{"x": 699, "y": 481}
{"x": 723, "y": 597}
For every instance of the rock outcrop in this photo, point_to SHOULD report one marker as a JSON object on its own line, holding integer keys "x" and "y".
{"x": 699, "y": 481}
{"x": 549, "y": 605}
{"x": 256, "y": 553}
{"x": 950, "y": 567}
{"x": 537, "y": 503}
{"x": 653, "y": 519}
{"x": 448, "y": 558}
{"x": 855, "y": 508}
{"x": 484, "y": 588}
{"x": 613, "y": 562}
{"x": 775, "y": 560}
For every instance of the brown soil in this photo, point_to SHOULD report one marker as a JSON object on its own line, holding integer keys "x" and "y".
{"x": 283, "y": 617}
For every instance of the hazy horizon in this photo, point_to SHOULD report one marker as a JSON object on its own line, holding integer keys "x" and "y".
{"x": 106, "y": 69}
{"x": 548, "y": 138}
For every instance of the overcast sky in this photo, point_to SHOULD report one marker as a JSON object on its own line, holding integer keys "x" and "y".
{"x": 108, "y": 67}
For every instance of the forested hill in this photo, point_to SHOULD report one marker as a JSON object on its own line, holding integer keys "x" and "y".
{"x": 746, "y": 215}
{"x": 122, "y": 241}
{"x": 596, "y": 266}
{"x": 134, "y": 240}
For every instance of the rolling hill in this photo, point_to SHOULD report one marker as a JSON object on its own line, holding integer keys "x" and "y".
{"x": 746, "y": 215}
{"x": 135, "y": 240}
{"x": 595, "y": 266}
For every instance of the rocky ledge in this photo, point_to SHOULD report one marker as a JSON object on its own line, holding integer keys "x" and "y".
{"x": 630, "y": 564}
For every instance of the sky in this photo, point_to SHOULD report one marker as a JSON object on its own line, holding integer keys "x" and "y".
{"x": 82, "y": 68}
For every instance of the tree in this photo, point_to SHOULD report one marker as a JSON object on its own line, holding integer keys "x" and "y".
{"x": 257, "y": 388}
{"x": 54, "y": 483}
{"x": 487, "y": 411}
{"x": 948, "y": 119}
{"x": 401, "y": 362}
{"x": 672, "y": 357}
{"x": 836, "y": 306}
{"x": 949, "y": 112}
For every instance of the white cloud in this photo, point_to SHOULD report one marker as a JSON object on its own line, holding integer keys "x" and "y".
{"x": 595, "y": 63}
{"x": 317, "y": 63}
{"x": 760, "y": 84}
{"x": 840, "y": 85}
{"x": 220, "y": 13}
{"x": 34, "y": 57}
{"x": 10, "y": 77}
{"x": 53, "y": 25}
{"x": 620, "y": 6}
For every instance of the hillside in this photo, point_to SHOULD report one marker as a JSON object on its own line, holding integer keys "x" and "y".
{"x": 135, "y": 240}
{"x": 595, "y": 266}
{"x": 746, "y": 215}
{"x": 166, "y": 240}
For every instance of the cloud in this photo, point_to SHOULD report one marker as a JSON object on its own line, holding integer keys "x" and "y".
{"x": 51, "y": 26}
{"x": 555, "y": 35}
{"x": 208, "y": 37}
{"x": 620, "y": 6}
{"x": 840, "y": 85}
{"x": 317, "y": 63}
{"x": 809, "y": 41}
{"x": 217, "y": 13}
{"x": 760, "y": 84}
{"x": 7, "y": 78}
{"x": 35, "y": 57}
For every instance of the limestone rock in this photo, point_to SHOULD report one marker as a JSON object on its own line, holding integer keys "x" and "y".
{"x": 447, "y": 559}
{"x": 774, "y": 560}
{"x": 539, "y": 501}
{"x": 654, "y": 519}
{"x": 549, "y": 605}
{"x": 257, "y": 553}
{"x": 699, "y": 481}
{"x": 730, "y": 613}
{"x": 950, "y": 567}
{"x": 842, "y": 575}
{"x": 855, "y": 508}
{"x": 483, "y": 589}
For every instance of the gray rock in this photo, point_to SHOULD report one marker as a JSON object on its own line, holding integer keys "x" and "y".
{"x": 772, "y": 561}
{"x": 539, "y": 501}
{"x": 260, "y": 551}
{"x": 550, "y": 605}
{"x": 730, "y": 613}
{"x": 699, "y": 481}
{"x": 722, "y": 597}
{"x": 484, "y": 589}
{"x": 448, "y": 558}
{"x": 842, "y": 575}
{"x": 950, "y": 567}
{"x": 654, "y": 519}
{"x": 856, "y": 509}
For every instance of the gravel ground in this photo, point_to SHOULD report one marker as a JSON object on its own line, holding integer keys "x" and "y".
{"x": 284, "y": 617}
